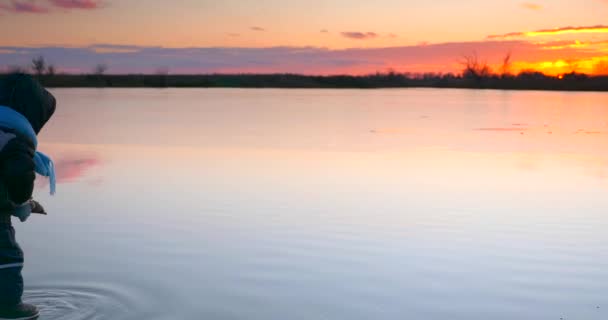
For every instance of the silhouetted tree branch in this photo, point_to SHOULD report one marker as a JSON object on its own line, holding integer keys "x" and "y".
{"x": 475, "y": 69}
{"x": 39, "y": 65}
{"x": 505, "y": 68}
{"x": 50, "y": 70}
{"x": 100, "y": 69}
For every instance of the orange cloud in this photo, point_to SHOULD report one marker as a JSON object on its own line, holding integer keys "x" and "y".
{"x": 576, "y": 44}
{"x": 531, "y": 6}
{"x": 601, "y": 68}
{"x": 557, "y": 31}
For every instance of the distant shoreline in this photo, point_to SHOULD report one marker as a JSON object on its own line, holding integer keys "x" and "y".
{"x": 524, "y": 81}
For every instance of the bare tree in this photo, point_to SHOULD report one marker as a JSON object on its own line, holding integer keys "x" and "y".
{"x": 475, "y": 69}
{"x": 39, "y": 65}
{"x": 100, "y": 69}
{"x": 50, "y": 70}
{"x": 505, "y": 68}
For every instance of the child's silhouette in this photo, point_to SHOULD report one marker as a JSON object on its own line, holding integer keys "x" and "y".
{"x": 25, "y": 107}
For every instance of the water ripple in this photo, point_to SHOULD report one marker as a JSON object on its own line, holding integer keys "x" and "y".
{"x": 91, "y": 301}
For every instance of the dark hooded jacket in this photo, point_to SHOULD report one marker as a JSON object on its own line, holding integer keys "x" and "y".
{"x": 25, "y": 95}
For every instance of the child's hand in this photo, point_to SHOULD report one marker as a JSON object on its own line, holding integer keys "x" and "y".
{"x": 37, "y": 207}
{"x": 23, "y": 211}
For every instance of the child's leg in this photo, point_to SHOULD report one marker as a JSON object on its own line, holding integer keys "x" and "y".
{"x": 11, "y": 264}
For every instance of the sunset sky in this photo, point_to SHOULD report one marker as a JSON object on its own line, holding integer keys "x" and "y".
{"x": 313, "y": 37}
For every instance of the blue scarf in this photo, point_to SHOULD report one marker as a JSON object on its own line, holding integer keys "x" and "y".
{"x": 14, "y": 120}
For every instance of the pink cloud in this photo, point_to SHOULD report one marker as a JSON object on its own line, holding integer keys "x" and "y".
{"x": 356, "y": 35}
{"x": 72, "y": 168}
{"x": 35, "y": 6}
{"x": 258, "y": 29}
{"x": 77, "y": 4}
{"x": 23, "y": 7}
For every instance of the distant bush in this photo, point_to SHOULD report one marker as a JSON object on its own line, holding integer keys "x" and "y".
{"x": 524, "y": 80}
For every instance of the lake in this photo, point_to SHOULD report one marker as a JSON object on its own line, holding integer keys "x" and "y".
{"x": 322, "y": 204}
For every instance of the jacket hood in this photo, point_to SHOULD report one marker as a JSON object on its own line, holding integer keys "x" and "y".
{"x": 25, "y": 95}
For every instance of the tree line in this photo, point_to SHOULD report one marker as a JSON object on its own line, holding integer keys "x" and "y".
{"x": 475, "y": 74}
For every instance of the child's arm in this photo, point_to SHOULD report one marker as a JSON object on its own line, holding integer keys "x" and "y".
{"x": 17, "y": 170}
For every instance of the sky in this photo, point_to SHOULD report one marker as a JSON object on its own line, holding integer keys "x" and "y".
{"x": 311, "y": 37}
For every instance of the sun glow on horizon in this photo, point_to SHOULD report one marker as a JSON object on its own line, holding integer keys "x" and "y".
{"x": 561, "y": 50}
{"x": 567, "y": 31}
{"x": 356, "y": 38}
{"x": 592, "y": 66}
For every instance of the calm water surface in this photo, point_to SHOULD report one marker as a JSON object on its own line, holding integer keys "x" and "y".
{"x": 322, "y": 204}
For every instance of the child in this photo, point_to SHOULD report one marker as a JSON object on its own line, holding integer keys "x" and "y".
{"x": 24, "y": 109}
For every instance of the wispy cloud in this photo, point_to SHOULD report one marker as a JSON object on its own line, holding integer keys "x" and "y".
{"x": 110, "y": 48}
{"x": 557, "y": 31}
{"x": 260, "y": 29}
{"x": 324, "y": 31}
{"x": 23, "y": 6}
{"x": 561, "y": 44}
{"x": 356, "y": 35}
{"x": 46, "y": 6}
{"x": 443, "y": 57}
{"x": 77, "y": 4}
{"x": 532, "y": 6}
